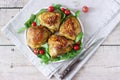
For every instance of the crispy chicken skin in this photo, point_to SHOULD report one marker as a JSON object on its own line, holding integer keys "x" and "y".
{"x": 70, "y": 28}
{"x": 36, "y": 36}
{"x": 51, "y": 20}
{"x": 59, "y": 45}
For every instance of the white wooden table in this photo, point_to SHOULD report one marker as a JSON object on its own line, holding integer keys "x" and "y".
{"x": 104, "y": 65}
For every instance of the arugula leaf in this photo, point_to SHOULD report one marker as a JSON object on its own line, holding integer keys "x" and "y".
{"x": 21, "y": 29}
{"x": 63, "y": 18}
{"x": 79, "y": 37}
{"x": 29, "y": 21}
{"x": 39, "y": 55}
{"x": 37, "y": 21}
{"x": 32, "y": 17}
{"x": 54, "y": 59}
{"x": 40, "y": 12}
{"x": 64, "y": 57}
{"x": 45, "y": 45}
{"x": 77, "y": 13}
{"x": 45, "y": 59}
{"x": 62, "y": 15}
{"x": 68, "y": 55}
{"x": 56, "y": 6}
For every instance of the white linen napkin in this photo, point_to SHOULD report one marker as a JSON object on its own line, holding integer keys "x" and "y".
{"x": 101, "y": 13}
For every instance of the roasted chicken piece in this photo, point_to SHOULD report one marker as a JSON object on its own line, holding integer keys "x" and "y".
{"x": 70, "y": 28}
{"x": 36, "y": 36}
{"x": 51, "y": 20}
{"x": 59, "y": 45}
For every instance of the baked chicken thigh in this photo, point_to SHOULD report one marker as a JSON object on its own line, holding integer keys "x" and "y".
{"x": 51, "y": 20}
{"x": 59, "y": 45}
{"x": 70, "y": 28}
{"x": 36, "y": 36}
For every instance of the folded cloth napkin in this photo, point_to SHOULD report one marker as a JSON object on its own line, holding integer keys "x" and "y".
{"x": 101, "y": 14}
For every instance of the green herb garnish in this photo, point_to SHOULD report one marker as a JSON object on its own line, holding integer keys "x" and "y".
{"x": 27, "y": 23}
{"x": 79, "y": 37}
{"x": 56, "y": 6}
{"x": 40, "y": 12}
{"x": 77, "y": 13}
{"x": 63, "y": 16}
{"x": 21, "y": 29}
{"x": 30, "y": 20}
{"x": 37, "y": 21}
{"x": 32, "y": 17}
{"x": 45, "y": 58}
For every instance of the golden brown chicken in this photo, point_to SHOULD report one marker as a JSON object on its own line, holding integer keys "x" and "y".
{"x": 70, "y": 28}
{"x": 36, "y": 36}
{"x": 59, "y": 45}
{"x": 51, "y": 20}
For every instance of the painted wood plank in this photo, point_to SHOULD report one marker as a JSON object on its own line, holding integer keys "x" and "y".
{"x": 104, "y": 65}
{"x": 13, "y": 3}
